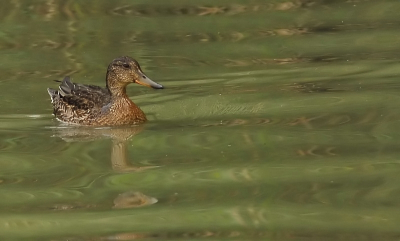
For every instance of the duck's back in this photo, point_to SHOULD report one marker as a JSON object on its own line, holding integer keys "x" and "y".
{"x": 77, "y": 103}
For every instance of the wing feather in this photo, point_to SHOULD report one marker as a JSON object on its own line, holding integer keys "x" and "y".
{"x": 83, "y": 97}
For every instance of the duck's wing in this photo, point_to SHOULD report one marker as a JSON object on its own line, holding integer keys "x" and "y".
{"x": 84, "y": 97}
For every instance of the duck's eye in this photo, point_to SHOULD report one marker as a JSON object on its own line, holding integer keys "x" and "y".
{"x": 126, "y": 66}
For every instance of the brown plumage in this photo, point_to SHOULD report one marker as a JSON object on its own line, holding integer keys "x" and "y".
{"x": 96, "y": 106}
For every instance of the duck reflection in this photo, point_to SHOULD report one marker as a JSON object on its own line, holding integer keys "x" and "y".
{"x": 132, "y": 199}
{"x": 119, "y": 138}
{"x": 119, "y": 162}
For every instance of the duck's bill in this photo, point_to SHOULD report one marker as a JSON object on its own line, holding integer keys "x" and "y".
{"x": 146, "y": 81}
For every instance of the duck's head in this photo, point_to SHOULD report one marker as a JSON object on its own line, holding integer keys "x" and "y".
{"x": 125, "y": 70}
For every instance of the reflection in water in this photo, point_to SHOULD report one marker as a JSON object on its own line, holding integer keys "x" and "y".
{"x": 129, "y": 199}
{"x": 119, "y": 137}
{"x": 119, "y": 160}
{"x": 281, "y": 121}
{"x": 133, "y": 199}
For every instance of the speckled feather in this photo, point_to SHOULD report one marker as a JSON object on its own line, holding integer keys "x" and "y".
{"x": 77, "y": 103}
{"x": 96, "y": 106}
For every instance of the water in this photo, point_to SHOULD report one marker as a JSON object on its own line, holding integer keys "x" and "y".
{"x": 279, "y": 121}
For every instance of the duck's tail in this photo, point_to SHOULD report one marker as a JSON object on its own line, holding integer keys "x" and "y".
{"x": 65, "y": 88}
{"x": 53, "y": 94}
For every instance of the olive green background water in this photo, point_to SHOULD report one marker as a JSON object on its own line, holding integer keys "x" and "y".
{"x": 279, "y": 121}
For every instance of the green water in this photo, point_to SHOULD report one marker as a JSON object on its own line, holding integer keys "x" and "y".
{"x": 279, "y": 121}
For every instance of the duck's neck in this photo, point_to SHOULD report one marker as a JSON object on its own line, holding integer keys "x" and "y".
{"x": 121, "y": 100}
{"x": 117, "y": 89}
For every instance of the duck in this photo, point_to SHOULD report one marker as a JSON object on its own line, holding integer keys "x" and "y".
{"x": 91, "y": 105}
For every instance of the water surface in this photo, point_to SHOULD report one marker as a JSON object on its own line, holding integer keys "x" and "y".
{"x": 279, "y": 121}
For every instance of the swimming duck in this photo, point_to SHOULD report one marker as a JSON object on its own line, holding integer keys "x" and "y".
{"x": 92, "y": 105}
